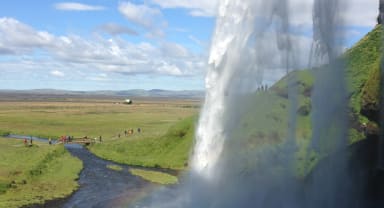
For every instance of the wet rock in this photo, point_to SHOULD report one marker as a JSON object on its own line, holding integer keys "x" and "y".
{"x": 380, "y": 18}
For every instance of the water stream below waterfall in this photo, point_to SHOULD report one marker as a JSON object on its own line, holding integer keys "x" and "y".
{"x": 100, "y": 186}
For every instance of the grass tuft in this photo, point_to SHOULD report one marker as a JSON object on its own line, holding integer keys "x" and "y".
{"x": 155, "y": 176}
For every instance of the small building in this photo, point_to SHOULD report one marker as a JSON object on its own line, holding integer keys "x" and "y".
{"x": 128, "y": 101}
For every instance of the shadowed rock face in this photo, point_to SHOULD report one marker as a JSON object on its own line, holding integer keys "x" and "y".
{"x": 380, "y": 18}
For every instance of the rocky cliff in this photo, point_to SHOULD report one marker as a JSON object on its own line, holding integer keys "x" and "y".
{"x": 380, "y": 18}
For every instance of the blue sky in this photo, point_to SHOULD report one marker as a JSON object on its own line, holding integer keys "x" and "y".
{"x": 118, "y": 45}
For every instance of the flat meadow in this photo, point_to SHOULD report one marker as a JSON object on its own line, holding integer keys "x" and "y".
{"x": 93, "y": 117}
{"x": 32, "y": 175}
{"x": 166, "y": 126}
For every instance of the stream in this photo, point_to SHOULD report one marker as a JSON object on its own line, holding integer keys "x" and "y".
{"x": 101, "y": 186}
{"x": 104, "y": 187}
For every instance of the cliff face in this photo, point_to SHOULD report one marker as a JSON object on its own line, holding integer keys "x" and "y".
{"x": 380, "y": 18}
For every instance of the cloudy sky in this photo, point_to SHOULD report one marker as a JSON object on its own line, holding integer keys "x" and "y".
{"x": 126, "y": 44}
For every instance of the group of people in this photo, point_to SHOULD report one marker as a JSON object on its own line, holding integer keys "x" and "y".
{"x": 129, "y": 132}
{"x": 26, "y": 141}
{"x": 262, "y": 88}
{"x": 66, "y": 139}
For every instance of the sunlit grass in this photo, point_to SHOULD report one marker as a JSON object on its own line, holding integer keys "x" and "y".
{"x": 32, "y": 175}
{"x": 170, "y": 150}
{"x": 115, "y": 167}
{"x": 155, "y": 176}
{"x": 92, "y": 119}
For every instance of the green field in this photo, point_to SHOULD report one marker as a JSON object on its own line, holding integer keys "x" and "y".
{"x": 157, "y": 145}
{"x": 93, "y": 118}
{"x": 32, "y": 175}
{"x": 170, "y": 150}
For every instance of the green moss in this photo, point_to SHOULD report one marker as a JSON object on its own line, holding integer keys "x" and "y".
{"x": 371, "y": 90}
{"x": 361, "y": 60}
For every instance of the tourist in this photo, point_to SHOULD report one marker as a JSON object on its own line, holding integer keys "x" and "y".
{"x": 364, "y": 129}
{"x": 50, "y": 141}
{"x": 138, "y": 130}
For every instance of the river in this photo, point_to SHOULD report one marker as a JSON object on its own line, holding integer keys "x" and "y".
{"x": 101, "y": 186}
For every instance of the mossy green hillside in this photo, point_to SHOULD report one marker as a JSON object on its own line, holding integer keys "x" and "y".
{"x": 363, "y": 64}
{"x": 33, "y": 175}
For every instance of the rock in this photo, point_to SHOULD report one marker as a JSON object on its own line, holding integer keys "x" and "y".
{"x": 380, "y": 18}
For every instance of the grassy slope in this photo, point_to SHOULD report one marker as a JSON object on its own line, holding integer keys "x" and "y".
{"x": 31, "y": 175}
{"x": 266, "y": 120}
{"x": 362, "y": 60}
{"x": 168, "y": 151}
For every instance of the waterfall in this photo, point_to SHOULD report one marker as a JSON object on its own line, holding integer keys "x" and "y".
{"x": 252, "y": 40}
{"x": 247, "y": 35}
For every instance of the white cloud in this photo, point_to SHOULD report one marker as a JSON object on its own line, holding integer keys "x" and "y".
{"x": 115, "y": 29}
{"x": 202, "y": 8}
{"x": 99, "y": 77}
{"x": 16, "y": 37}
{"x": 356, "y": 12}
{"x": 57, "y": 73}
{"x": 74, "y": 6}
{"x": 197, "y": 41}
{"x": 147, "y": 17}
{"x": 106, "y": 55}
{"x": 361, "y": 12}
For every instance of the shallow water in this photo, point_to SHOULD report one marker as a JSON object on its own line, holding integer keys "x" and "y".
{"x": 100, "y": 186}
{"x": 103, "y": 187}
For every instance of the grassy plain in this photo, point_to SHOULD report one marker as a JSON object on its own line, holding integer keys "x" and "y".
{"x": 157, "y": 145}
{"x": 93, "y": 118}
{"x": 32, "y": 175}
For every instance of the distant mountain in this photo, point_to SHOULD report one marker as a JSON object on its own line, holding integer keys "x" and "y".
{"x": 159, "y": 93}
